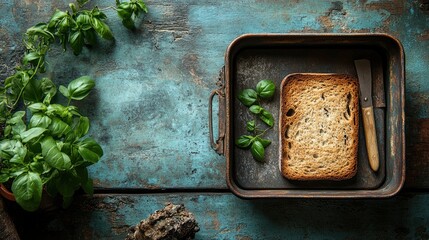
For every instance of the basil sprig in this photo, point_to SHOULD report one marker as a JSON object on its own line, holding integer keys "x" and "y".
{"x": 252, "y": 98}
{"x": 256, "y": 144}
{"x": 128, "y": 11}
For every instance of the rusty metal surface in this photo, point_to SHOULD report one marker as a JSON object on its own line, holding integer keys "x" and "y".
{"x": 251, "y": 58}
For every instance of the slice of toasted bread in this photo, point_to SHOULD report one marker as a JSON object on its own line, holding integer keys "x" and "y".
{"x": 319, "y": 126}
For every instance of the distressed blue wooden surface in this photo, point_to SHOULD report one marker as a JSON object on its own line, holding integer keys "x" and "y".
{"x": 149, "y": 111}
{"x": 223, "y": 216}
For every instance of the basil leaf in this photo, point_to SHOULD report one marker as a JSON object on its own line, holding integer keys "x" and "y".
{"x": 76, "y": 40}
{"x": 15, "y": 124}
{"x": 85, "y": 181}
{"x": 244, "y": 141}
{"x": 82, "y": 174}
{"x": 4, "y": 177}
{"x": 58, "y": 15}
{"x": 90, "y": 37}
{"x": 251, "y": 126}
{"x": 16, "y": 84}
{"x": 32, "y": 133}
{"x": 73, "y": 110}
{"x": 80, "y": 87}
{"x": 265, "y": 89}
{"x": 58, "y": 127}
{"x": 84, "y": 21}
{"x": 56, "y": 110}
{"x": 53, "y": 156}
{"x": 37, "y": 107}
{"x": 32, "y": 92}
{"x": 82, "y": 2}
{"x": 95, "y": 12}
{"x": 64, "y": 91}
{"x": 248, "y": 97}
{"x": 40, "y": 120}
{"x": 256, "y": 109}
{"x": 18, "y": 128}
{"x": 40, "y": 30}
{"x": 90, "y": 150}
{"x": 101, "y": 28}
{"x": 37, "y": 167}
{"x": 142, "y": 5}
{"x": 7, "y": 149}
{"x": 124, "y": 10}
{"x": 128, "y": 23}
{"x": 66, "y": 24}
{"x": 67, "y": 184}
{"x": 3, "y": 109}
{"x": 48, "y": 88}
{"x": 7, "y": 130}
{"x": 31, "y": 57}
{"x": 265, "y": 142}
{"x": 16, "y": 118}
{"x": 258, "y": 151}
{"x": 82, "y": 127}
{"x": 88, "y": 187}
{"x": 12, "y": 150}
{"x": 27, "y": 189}
{"x": 267, "y": 117}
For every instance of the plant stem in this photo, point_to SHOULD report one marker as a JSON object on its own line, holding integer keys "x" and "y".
{"x": 25, "y": 85}
{"x": 261, "y": 134}
{"x": 109, "y": 7}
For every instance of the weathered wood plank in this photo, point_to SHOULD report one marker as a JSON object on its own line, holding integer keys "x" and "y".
{"x": 417, "y": 152}
{"x": 224, "y": 216}
{"x": 7, "y": 227}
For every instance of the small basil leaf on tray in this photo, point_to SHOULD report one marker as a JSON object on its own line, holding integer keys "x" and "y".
{"x": 256, "y": 109}
{"x": 265, "y": 89}
{"x": 258, "y": 151}
{"x": 248, "y": 97}
{"x": 244, "y": 141}
{"x": 265, "y": 142}
{"x": 251, "y": 126}
{"x": 267, "y": 117}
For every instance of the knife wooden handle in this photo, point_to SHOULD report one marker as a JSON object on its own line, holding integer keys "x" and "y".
{"x": 370, "y": 137}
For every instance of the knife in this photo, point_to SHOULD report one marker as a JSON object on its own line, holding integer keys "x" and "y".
{"x": 363, "y": 69}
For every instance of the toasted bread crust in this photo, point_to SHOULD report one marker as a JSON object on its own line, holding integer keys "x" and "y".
{"x": 319, "y": 126}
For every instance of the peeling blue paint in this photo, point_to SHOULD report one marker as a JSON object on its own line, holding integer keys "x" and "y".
{"x": 223, "y": 216}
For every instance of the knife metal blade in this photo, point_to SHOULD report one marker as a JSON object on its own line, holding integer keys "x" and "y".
{"x": 363, "y": 69}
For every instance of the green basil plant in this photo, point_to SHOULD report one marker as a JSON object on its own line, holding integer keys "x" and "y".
{"x": 44, "y": 144}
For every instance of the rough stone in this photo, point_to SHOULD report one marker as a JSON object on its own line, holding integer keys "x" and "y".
{"x": 172, "y": 222}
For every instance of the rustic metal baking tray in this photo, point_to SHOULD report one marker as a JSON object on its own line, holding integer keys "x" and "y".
{"x": 253, "y": 57}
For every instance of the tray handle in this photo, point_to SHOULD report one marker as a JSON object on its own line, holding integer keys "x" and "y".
{"x": 218, "y": 145}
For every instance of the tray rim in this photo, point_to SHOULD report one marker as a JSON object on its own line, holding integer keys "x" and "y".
{"x": 384, "y": 191}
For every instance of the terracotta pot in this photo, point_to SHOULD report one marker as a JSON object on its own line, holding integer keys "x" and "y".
{"x": 6, "y": 193}
{"x": 47, "y": 202}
